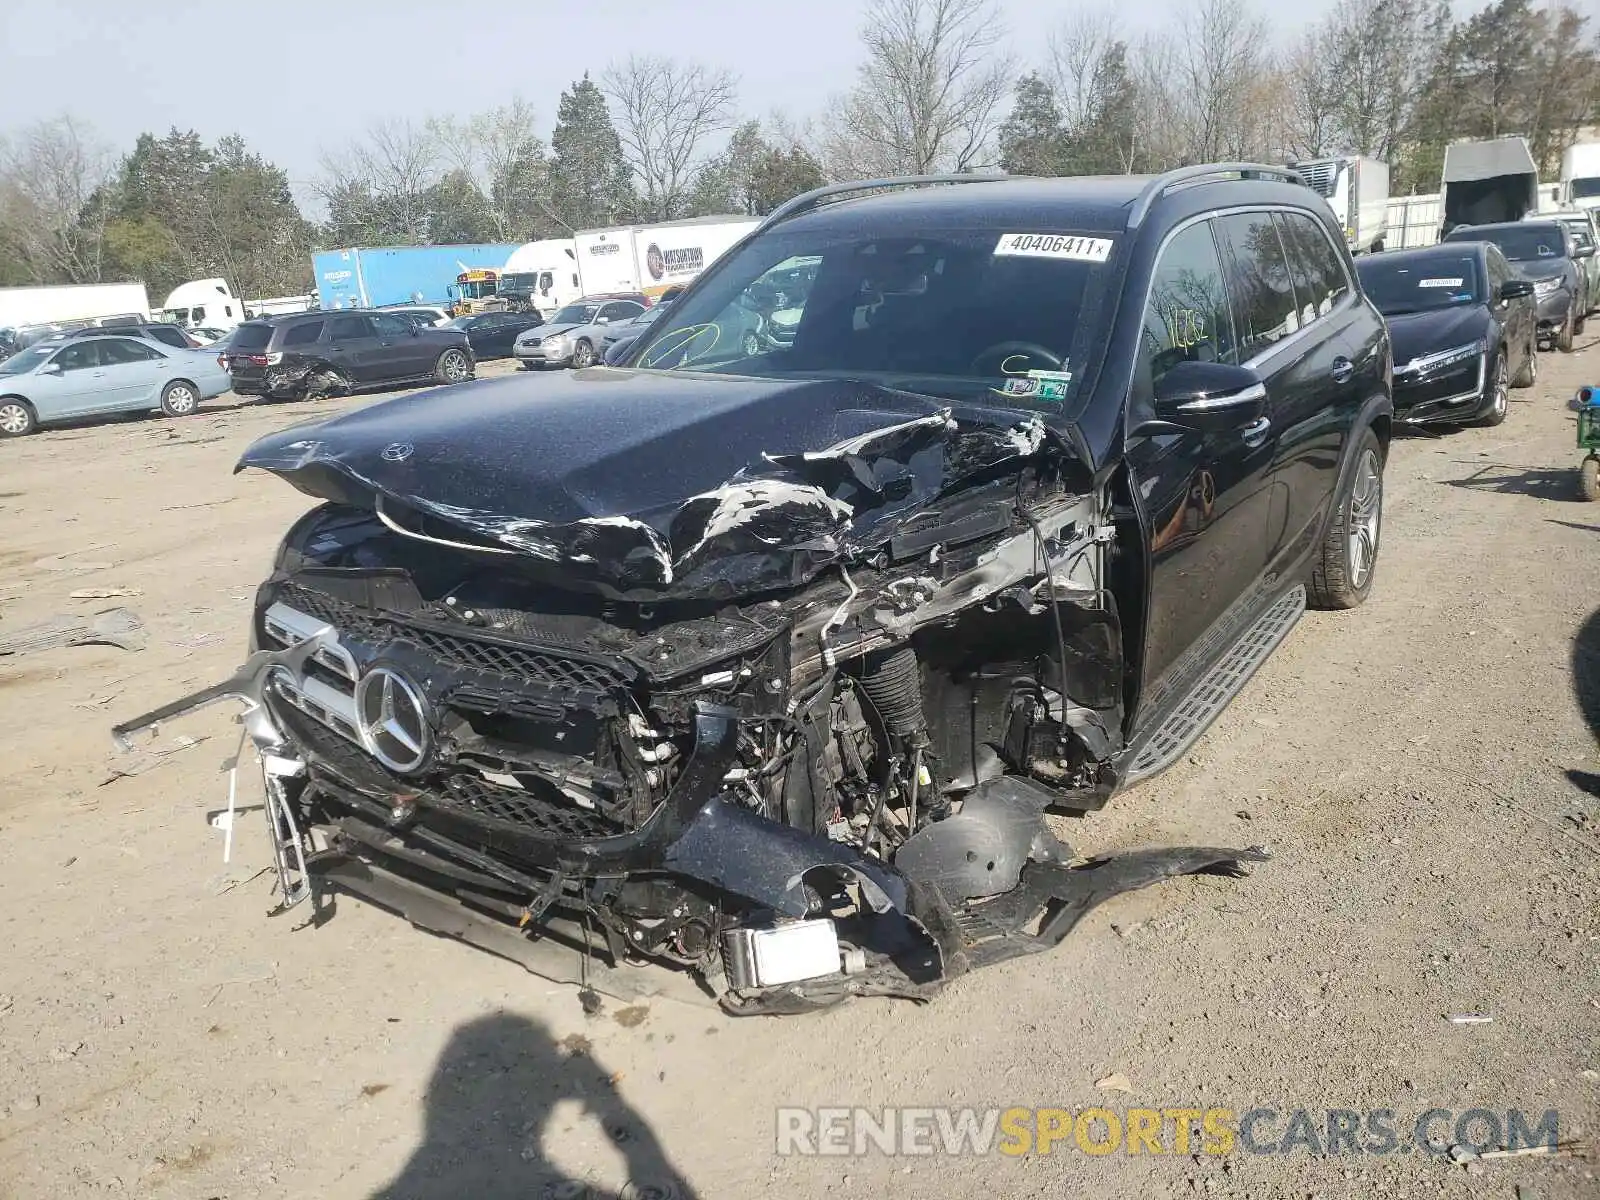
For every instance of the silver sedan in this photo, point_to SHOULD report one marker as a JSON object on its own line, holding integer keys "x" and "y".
{"x": 88, "y": 376}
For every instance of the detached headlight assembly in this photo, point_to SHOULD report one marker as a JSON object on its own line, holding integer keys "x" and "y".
{"x": 1543, "y": 287}
{"x": 1444, "y": 358}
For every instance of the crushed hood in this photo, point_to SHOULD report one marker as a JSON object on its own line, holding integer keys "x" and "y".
{"x": 653, "y": 485}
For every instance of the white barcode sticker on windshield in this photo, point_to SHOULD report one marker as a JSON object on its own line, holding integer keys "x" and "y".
{"x": 1055, "y": 245}
{"x": 1440, "y": 282}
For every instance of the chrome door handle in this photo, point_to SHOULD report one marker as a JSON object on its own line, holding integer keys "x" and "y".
{"x": 1255, "y": 433}
{"x": 1343, "y": 368}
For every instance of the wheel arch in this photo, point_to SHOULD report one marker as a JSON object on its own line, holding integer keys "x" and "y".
{"x": 1377, "y": 414}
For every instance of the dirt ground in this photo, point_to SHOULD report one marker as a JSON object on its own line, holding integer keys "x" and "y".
{"x": 1424, "y": 770}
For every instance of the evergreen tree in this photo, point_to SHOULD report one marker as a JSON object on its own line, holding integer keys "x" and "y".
{"x": 1033, "y": 140}
{"x": 590, "y": 184}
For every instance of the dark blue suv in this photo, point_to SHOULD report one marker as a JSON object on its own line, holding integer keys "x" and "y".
{"x": 762, "y": 659}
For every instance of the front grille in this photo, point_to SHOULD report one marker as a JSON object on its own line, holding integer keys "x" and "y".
{"x": 460, "y": 651}
{"x": 475, "y": 796}
{"x": 458, "y": 791}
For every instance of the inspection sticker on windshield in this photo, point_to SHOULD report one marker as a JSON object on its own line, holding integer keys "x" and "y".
{"x": 1054, "y": 245}
{"x": 1440, "y": 282}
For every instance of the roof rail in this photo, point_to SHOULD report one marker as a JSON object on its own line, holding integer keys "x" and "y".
{"x": 815, "y": 198}
{"x": 1205, "y": 173}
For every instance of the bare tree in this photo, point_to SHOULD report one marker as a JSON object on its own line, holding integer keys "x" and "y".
{"x": 1380, "y": 55}
{"x": 396, "y": 164}
{"x": 929, "y": 96}
{"x": 501, "y": 152}
{"x": 1161, "y": 139}
{"x": 1078, "y": 51}
{"x": 1220, "y": 50}
{"x": 1314, "y": 90}
{"x": 55, "y": 200}
{"x": 665, "y": 113}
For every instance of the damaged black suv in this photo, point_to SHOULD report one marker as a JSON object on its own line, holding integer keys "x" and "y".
{"x": 767, "y": 666}
{"x": 336, "y": 353}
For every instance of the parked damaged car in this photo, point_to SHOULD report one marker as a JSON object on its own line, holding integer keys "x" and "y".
{"x": 767, "y": 669}
{"x": 337, "y": 353}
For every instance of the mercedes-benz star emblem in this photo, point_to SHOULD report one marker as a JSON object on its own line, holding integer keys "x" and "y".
{"x": 394, "y": 719}
{"x": 397, "y": 451}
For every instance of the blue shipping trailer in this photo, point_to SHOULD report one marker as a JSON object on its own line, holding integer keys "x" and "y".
{"x": 370, "y": 278}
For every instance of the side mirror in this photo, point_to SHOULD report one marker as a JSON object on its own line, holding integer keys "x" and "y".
{"x": 1210, "y": 397}
{"x": 1583, "y": 252}
{"x": 602, "y": 320}
{"x": 1514, "y": 289}
{"x": 50, "y": 368}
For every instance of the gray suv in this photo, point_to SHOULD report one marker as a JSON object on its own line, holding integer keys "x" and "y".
{"x": 328, "y": 353}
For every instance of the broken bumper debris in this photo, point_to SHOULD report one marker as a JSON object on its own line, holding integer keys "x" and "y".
{"x": 661, "y": 694}
{"x": 819, "y": 921}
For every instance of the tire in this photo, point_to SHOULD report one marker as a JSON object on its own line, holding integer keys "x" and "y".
{"x": 1528, "y": 373}
{"x": 1564, "y": 336}
{"x": 1500, "y": 402}
{"x": 583, "y": 354}
{"x": 452, "y": 367}
{"x": 1338, "y": 578}
{"x": 1589, "y": 478}
{"x": 17, "y": 418}
{"x": 179, "y": 399}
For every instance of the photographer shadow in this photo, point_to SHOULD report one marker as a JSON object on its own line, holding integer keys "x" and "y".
{"x": 489, "y": 1113}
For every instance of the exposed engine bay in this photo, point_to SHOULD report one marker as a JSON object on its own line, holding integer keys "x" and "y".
{"x": 794, "y": 736}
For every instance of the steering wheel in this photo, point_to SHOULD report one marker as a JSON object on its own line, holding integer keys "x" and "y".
{"x": 1003, "y": 356}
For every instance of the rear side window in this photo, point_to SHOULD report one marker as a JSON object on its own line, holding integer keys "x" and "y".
{"x": 117, "y": 350}
{"x": 1315, "y": 266}
{"x": 298, "y": 335}
{"x": 1187, "y": 319}
{"x": 347, "y": 327}
{"x": 389, "y": 325}
{"x": 250, "y": 338}
{"x": 170, "y": 336}
{"x": 1259, "y": 281}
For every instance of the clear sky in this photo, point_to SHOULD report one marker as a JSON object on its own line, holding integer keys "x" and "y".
{"x": 296, "y": 76}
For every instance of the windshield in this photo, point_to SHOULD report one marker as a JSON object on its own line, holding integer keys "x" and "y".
{"x": 575, "y": 314}
{"x": 1528, "y": 243}
{"x": 21, "y": 364}
{"x": 960, "y": 314}
{"x": 518, "y": 282}
{"x": 1583, "y": 188}
{"x": 1418, "y": 285}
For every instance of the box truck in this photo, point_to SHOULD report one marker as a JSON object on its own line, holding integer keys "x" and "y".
{"x": 1486, "y": 182}
{"x": 1580, "y": 175}
{"x": 1357, "y": 189}
{"x": 76, "y": 302}
{"x": 653, "y": 258}
{"x": 373, "y": 277}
